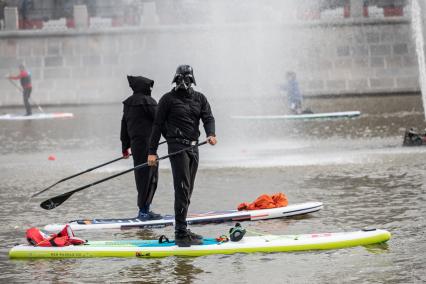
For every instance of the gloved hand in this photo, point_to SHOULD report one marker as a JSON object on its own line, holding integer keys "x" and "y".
{"x": 126, "y": 154}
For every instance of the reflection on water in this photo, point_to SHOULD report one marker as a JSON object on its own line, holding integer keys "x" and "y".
{"x": 169, "y": 270}
{"x": 356, "y": 167}
{"x": 377, "y": 248}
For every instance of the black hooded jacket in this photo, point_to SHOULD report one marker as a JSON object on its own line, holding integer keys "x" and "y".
{"x": 179, "y": 112}
{"x": 138, "y": 113}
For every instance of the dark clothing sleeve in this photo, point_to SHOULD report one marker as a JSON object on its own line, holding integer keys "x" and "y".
{"x": 151, "y": 110}
{"x": 124, "y": 135}
{"x": 207, "y": 117}
{"x": 152, "y": 115}
{"x": 158, "y": 126}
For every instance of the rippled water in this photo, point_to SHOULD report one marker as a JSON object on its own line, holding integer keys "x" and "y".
{"x": 356, "y": 167}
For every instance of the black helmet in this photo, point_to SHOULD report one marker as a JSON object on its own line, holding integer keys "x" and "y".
{"x": 185, "y": 71}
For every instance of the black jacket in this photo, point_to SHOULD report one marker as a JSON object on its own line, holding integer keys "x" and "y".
{"x": 180, "y": 113}
{"x": 138, "y": 113}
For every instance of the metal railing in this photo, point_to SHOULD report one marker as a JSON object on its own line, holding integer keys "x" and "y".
{"x": 60, "y": 14}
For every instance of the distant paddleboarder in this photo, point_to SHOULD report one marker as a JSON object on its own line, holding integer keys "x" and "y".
{"x": 294, "y": 97}
{"x": 138, "y": 116}
{"x": 181, "y": 110}
{"x": 25, "y": 77}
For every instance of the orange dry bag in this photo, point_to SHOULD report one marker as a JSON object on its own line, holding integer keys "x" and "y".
{"x": 265, "y": 201}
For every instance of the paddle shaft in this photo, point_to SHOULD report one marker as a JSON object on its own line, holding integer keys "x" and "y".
{"x": 20, "y": 89}
{"x": 75, "y": 175}
{"x": 58, "y": 200}
{"x": 83, "y": 172}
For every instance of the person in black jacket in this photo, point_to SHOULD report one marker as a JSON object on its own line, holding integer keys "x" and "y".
{"x": 138, "y": 115}
{"x": 180, "y": 110}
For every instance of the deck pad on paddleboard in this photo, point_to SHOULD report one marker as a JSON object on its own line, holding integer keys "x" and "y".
{"x": 249, "y": 244}
{"x": 36, "y": 116}
{"x": 324, "y": 115}
{"x": 194, "y": 218}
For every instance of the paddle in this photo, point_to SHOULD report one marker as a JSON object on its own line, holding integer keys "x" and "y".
{"x": 19, "y": 88}
{"x": 58, "y": 200}
{"x": 75, "y": 175}
{"x": 80, "y": 173}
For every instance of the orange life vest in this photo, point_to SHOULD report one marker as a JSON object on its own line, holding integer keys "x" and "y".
{"x": 64, "y": 238}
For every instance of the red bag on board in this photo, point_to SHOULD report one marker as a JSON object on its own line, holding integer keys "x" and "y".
{"x": 265, "y": 201}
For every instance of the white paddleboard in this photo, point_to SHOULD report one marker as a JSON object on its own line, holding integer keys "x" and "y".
{"x": 200, "y": 218}
{"x": 36, "y": 116}
{"x": 324, "y": 115}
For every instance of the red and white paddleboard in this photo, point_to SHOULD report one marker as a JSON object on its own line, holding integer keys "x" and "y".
{"x": 200, "y": 218}
{"x": 36, "y": 116}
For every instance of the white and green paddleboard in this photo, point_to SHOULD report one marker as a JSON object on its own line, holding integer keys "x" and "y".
{"x": 308, "y": 116}
{"x": 153, "y": 248}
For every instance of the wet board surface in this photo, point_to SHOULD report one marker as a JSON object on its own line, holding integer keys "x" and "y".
{"x": 36, "y": 116}
{"x": 324, "y": 115}
{"x": 193, "y": 218}
{"x": 249, "y": 244}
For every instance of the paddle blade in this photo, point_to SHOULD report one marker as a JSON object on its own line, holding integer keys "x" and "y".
{"x": 55, "y": 201}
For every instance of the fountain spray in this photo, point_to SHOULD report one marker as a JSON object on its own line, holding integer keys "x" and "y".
{"x": 418, "y": 16}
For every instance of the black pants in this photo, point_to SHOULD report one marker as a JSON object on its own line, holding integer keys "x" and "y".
{"x": 184, "y": 169}
{"x": 147, "y": 177}
{"x": 26, "y": 94}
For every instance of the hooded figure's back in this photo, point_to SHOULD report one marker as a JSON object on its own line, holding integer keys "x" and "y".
{"x": 139, "y": 111}
{"x": 138, "y": 116}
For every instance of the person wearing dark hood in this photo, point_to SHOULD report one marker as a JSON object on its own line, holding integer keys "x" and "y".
{"x": 181, "y": 110}
{"x": 138, "y": 115}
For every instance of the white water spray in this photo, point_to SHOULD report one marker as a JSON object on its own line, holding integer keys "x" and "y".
{"x": 418, "y": 24}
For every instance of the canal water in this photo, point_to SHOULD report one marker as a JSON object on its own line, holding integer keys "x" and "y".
{"x": 357, "y": 167}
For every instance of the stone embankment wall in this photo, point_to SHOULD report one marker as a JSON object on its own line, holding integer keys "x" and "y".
{"x": 351, "y": 56}
{"x": 362, "y": 58}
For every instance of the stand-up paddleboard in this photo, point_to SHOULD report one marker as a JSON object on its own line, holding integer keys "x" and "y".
{"x": 201, "y": 218}
{"x": 324, "y": 115}
{"x": 153, "y": 248}
{"x": 36, "y": 116}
